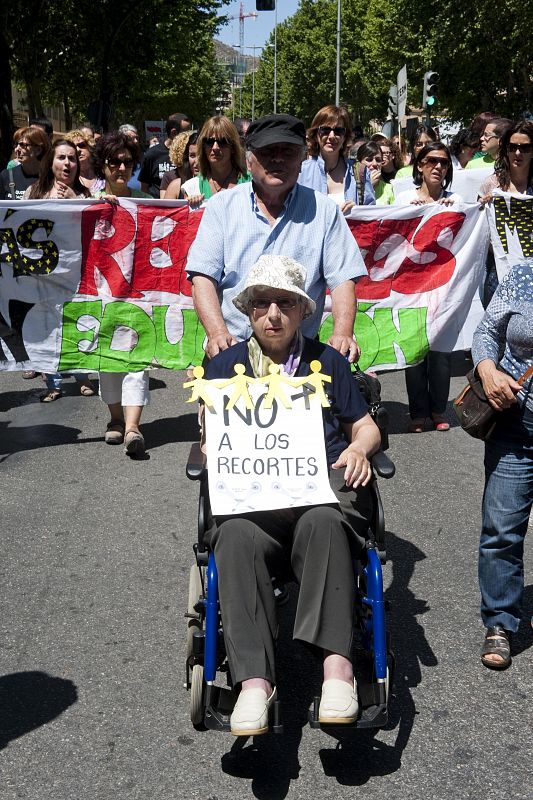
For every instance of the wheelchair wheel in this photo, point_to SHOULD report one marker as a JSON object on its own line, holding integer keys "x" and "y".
{"x": 194, "y": 617}
{"x": 196, "y": 707}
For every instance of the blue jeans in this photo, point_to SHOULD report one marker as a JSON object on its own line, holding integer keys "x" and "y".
{"x": 507, "y": 502}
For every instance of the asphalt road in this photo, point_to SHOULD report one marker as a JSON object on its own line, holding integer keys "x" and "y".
{"x": 96, "y": 550}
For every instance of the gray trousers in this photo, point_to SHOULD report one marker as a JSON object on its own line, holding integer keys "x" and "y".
{"x": 317, "y": 542}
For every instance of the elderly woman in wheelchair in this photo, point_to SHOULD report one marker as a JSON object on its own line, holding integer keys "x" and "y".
{"x": 318, "y": 542}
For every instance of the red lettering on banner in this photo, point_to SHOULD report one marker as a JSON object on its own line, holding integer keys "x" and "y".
{"x": 101, "y": 253}
{"x": 409, "y": 276}
{"x": 173, "y": 245}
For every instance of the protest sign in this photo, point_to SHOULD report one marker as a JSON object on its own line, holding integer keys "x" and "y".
{"x": 91, "y": 286}
{"x": 511, "y": 228}
{"x": 268, "y": 453}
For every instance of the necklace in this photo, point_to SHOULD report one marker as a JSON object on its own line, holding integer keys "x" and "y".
{"x": 331, "y": 171}
{"x": 217, "y": 186}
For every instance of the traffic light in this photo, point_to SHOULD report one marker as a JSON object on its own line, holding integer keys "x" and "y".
{"x": 429, "y": 94}
{"x": 265, "y": 5}
{"x": 392, "y": 101}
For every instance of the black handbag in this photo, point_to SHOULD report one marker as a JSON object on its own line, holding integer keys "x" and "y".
{"x": 475, "y": 414}
{"x": 370, "y": 388}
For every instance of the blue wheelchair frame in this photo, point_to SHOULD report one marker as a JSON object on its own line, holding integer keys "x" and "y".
{"x": 217, "y": 702}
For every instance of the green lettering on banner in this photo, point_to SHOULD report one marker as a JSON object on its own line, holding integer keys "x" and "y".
{"x": 377, "y": 334}
{"x": 126, "y": 315}
{"x": 188, "y": 350}
{"x": 71, "y": 336}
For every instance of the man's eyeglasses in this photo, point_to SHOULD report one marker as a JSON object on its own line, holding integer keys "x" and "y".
{"x": 325, "y": 130}
{"x": 513, "y": 147}
{"x": 488, "y": 136}
{"x": 210, "y": 141}
{"x": 283, "y": 303}
{"x": 116, "y": 162}
{"x": 435, "y": 161}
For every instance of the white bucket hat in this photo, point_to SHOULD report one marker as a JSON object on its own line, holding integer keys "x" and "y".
{"x": 275, "y": 272}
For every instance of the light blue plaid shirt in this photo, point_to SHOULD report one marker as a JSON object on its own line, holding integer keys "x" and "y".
{"x": 233, "y": 234}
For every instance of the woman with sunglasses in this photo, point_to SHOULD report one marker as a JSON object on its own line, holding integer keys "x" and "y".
{"x": 221, "y": 162}
{"x": 125, "y": 393}
{"x": 85, "y": 146}
{"x": 421, "y": 136}
{"x": 428, "y": 383}
{"x": 328, "y": 170}
{"x": 512, "y": 173}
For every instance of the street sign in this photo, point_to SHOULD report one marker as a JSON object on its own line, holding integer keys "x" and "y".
{"x": 401, "y": 83}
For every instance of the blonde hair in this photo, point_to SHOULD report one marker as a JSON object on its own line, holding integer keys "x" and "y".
{"x": 77, "y": 134}
{"x": 178, "y": 146}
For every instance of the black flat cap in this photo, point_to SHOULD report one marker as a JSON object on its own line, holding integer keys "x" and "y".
{"x": 275, "y": 129}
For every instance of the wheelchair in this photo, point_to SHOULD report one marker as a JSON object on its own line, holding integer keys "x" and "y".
{"x": 211, "y": 705}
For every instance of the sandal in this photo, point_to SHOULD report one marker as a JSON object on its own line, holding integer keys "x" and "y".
{"x": 87, "y": 389}
{"x": 416, "y": 425}
{"x": 134, "y": 443}
{"x": 497, "y": 643}
{"x": 440, "y": 423}
{"x": 115, "y": 432}
{"x": 50, "y": 396}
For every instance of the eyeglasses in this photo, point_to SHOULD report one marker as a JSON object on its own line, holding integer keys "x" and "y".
{"x": 82, "y": 146}
{"x": 325, "y": 130}
{"x": 23, "y": 145}
{"x": 386, "y": 153}
{"x": 114, "y": 163}
{"x": 524, "y": 148}
{"x": 435, "y": 161}
{"x": 209, "y": 142}
{"x": 283, "y": 303}
{"x": 488, "y": 136}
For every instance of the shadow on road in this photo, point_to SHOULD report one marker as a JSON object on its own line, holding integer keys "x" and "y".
{"x": 31, "y": 699}
{"x": 271, "y": 762}
{"x": 523, "y": 638}
{"x": 32, "y": 437}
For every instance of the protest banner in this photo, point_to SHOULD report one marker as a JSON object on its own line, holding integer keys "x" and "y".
{"x": 264, "y": 441}
{"x": 511, "y": 228}
{"x": 91, "y": 286}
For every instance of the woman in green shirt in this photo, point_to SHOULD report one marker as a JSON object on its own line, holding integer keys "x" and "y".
{"x": 221, "y": 160}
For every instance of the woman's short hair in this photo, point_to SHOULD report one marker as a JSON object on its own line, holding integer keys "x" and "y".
{"x": 466, "y": 137}
{"x": 37, "y": 137}
{"x": 417, "y": 133}
{"x": 221, "y": 128}
{"x": 45, "y": 181}
{"x": 109, "y": 146}
{"x": 332, "y": 116}
{"x": 77, "y": 134}
{"x": 368, "y": 150}
{"x": 502, "y": 168}
{"x": 432, "y": 147}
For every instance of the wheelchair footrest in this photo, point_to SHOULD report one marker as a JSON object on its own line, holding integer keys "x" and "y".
{"x": 375, "y": 716}
{"x": 220, "y": 705}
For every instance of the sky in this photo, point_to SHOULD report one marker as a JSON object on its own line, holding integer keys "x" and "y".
{"x": 256, "y": 29}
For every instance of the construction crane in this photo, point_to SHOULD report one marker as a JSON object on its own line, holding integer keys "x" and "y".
{"x": 241, "y": 17}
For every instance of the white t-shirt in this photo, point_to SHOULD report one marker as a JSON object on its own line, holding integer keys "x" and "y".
{"x": 407, "y": 197}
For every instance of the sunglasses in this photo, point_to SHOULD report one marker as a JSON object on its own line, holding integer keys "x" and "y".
{"x": 210, "y": 141}
{"x": 116, "y": 162}
{"x": 264, "y": 303}
{"x": 23, "y": 145}
{"x": 82, "y": 146}
{"x": 435, "y": 161}
{"x": 325, "y": 130}
{"x": 524, "y": 148}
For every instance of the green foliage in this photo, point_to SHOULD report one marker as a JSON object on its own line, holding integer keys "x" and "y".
{"x": 478, "y": 69}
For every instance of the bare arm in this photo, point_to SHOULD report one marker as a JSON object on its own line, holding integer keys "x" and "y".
{"x": 344, "y": 306}
{"x": 364, "y": 438}
{"x": 207, "y": 306}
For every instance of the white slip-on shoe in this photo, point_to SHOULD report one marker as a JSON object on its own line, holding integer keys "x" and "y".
{"x": 250, "y": 715}
{"x": 338, "y": 704}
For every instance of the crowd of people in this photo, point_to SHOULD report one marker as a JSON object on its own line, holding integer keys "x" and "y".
{"x": 271, "y": 189}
